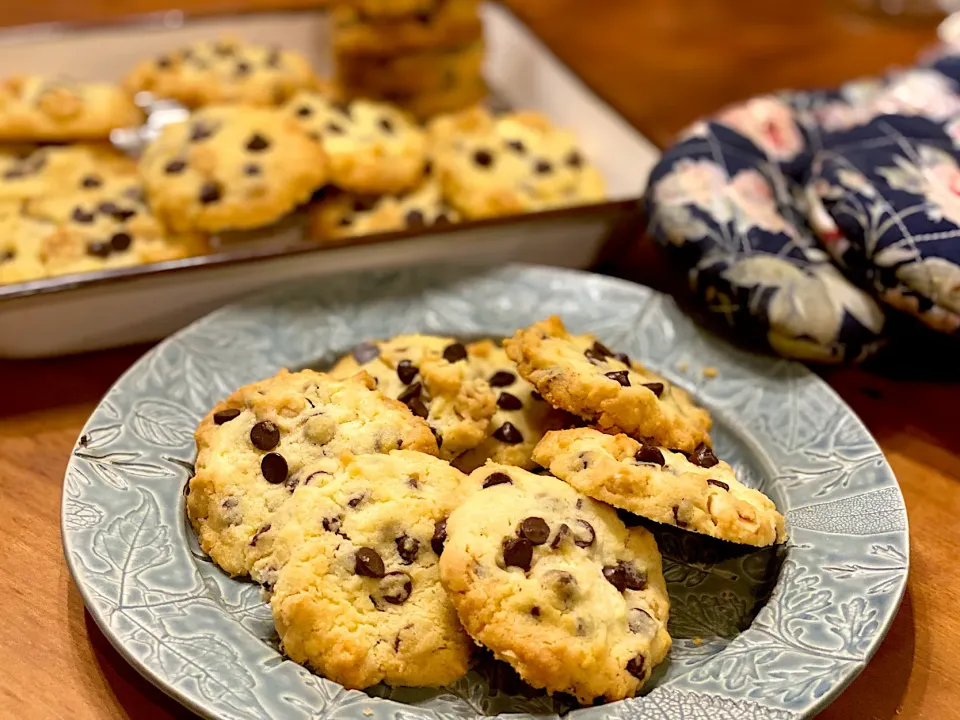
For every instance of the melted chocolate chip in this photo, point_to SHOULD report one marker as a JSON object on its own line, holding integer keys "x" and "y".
{"x": 702, "y": 456}
{"x": 333, "y": 128}
{"x": 304, "y": 111}
{"x": 614, "y": 575}
{"x": 649, "y": 454}
{"x": 635, "y": 667}
{"x": 534, "y": 529}
{"x": 502, "y": 378}
{"x": 455, "y": 352}
{"x": 506, "y": 401}
{"x": 536, "y": 396}
{"x": 242, "y": 68}
{"x": 562, "y": 532}
{"x": 395, "y": 587}
{"x": 82, "y": 216}
{"x": 365, "y": 352}
{"x": 210, "y": 193}
{"x": 620, "y": 376}
{"x": 99, "y": 249}
{"x": 257, "y": 143}
{"x": 163, "y": 62}
{"x": 274, "y": 468}
{"x": 407, "y": 548}
{"x": 410, "y": 393}
{"x": 718, "y": 483}
{"x": 414, "y": 219}
{"x": 386, "y": 125}
{"x": 509, "y": 434}
{"x": 418, "y": 408}
{"x": 517, "y": 552}
{"x": 636, "y": 579}
{"x": 438, "y": 436}
{"x": 201, "y": 131}
{"x": 676, "y": 517}
{"x": 584, "y": 535}
{"x": 563, "y": 584}
{"x": 258, "y": 533}
{"x": 640, "y": 622}
{"x": 265, "y": 435}
{"x": 108, "y": 208}
{"x": 542, "y": 167}
{"x": 91, "y": 181}
{"x": 120, "y": 241}
{"x": 225, "y": 416}
{"x": 406, "y": 371}
{"x": 517, "y": 146}
{"x": 601, "y": 350}
{"x": 655, "y": 388}
{"x": 368, "y": 563}
{"x": 483, "y": 158}
{"x": 535, "y": 611}
{"x": 251, "y": 170}
{"x": 356, "y": 500}
{"x": 497, "y": 478}
{"x": 332, "y": 524}
{"x": 574, "y": 159}
{"x": 175, "y": 167}
{"x": 439, "y": 536}
{"x": 123, "y": 214}
{"x": 8, "y": 255}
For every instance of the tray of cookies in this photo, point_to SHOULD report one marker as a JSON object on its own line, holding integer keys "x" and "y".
{"x": 188, "y": 161}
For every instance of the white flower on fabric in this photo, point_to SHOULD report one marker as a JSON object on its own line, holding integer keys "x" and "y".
{"x": 952, "y": 129}
{"x": 752, "y": 196}
{"x": 935, "y": 278}
{"x": 918, "y": 92}
{"x": 769, "y": 123}
{"x": 937, "y": 178}
{"x": 821, "y": 221}
{"x": 838, "y": 115}
{"x": 856, "y": 181}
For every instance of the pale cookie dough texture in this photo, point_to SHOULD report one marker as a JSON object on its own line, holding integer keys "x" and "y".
{"x": 434, "y": 378}
{"x": 699, "y": 493}
{"x": 231, "y": 167}
{"x": 357, "y": 595}
{"x": 579, "y": 374}
{"x": 555, "y": 585}
{"x": 253, "y": 447}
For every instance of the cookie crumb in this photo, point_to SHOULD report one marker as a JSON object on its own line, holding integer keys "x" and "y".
{"x": 698, "y": 641}
{"x": 368, "y": 712}
{"x": 710, "y": 372}
{"x": 683, "y": 366}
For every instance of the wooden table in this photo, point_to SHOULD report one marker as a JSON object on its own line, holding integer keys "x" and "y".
{"x": 662, "y": 63}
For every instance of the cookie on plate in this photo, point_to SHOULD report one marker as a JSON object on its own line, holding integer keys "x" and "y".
{"x": 422, "y": 72}
{"x": 555, "y": 585}
{"x": 224, "y": 71}
{"x": 341, "y": 215}
{"x": 577, "y": 373}
{"x": 450, "y": 24}
{"x": 21, "y": 238}
{"x": 522, "y": 416}
{"x": 521, "y": 164}
{"x": 356, "y": 588}
{"x": 464, "y": 93}
{"x": 699, "y": 493}
{"x": 230, "y": 167}
{"x": 434, "y": 378}
{"x": 31, "y": 172}
{"x": 252, "y": 449}
{"x": 372, "y": 148}
{"x": 39, "y": 109}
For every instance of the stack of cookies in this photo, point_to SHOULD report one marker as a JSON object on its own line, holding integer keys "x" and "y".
{"x": 421, "y": 55}
{"x": 345, "y": 495}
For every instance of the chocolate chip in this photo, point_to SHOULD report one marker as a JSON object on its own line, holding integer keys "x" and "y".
{"x": 601, "y": 350}
{"x": 395, "y": 587}
{"x": 107, "y": 208}
{"x": 442, "y": 219}
{"x": 265, "y": 435}
{"x": 386, "y": 125}
{"x": 506, "y": 401}
{"x": 439, "y": 536}
{"x": 517, "y": 146}
{"x": 342, "y": 107}
{"x": 438, "y": 436}
{"x": 333, "y": 128}
{"x": 584, "y": 534}
{"x": 135, "y": 194}
{"x": 274, "y": 468}
{"x": 258, "y": 533}
{"x": 428, "y": 168}
{"x": 535, "y": 611}
{"x": 620, "y": 376}
{"x": 455, "y": 352}
{"x": 362, "y": 203}
{"x": 406, "y": 371}
{"x": 365, "y": 352}
{"x": 702, "y": 456}
{"x": 201, "y": 131}
{"x": 502, "y": 378}
{"x": 356, "y": 500}
{"x": 534, "y": 529}
{"x": 82, "y": 216}
{"x": 120, "y": 241}
{"x": 410, "y": 393}
{"x": 8, "y": 255}
{"x": 636, "y": 579}
{"x": 257, "y": 142}
{"x": 517, "y": 552}
{"x": 273, "y": 58}
{"x": 291, "y": 482}
{"x": 676, "y": 517}
{"x": 368, "y": 563}
{"x": 655, "y": 388}
{"x": 251, "y": 170}
{"x": 640, "y": 622}
{"x": 418, "y": 408}
{"x": 635, "y": 667}
{"x": 622, "y": 357}
{"x": 407, "y": 548}
{"x": 718, "y": 483}
{"x": 649, "y": 454}
{"x": 175, "y": 167}
{"x": 415, "y": 219}
{"x": 536, "y": 396}
{"x": 242, "y": 68}
{"x": 562, "y": 532}
{"x": 210, "y": 193}
{"x": 91, "y": 181}
{"x": 332, "y": 524}
{"x": 563, "y": 584}
{"x": 614, "y": 575}
{"x": 14, "y": 174}
{"x": 497, "y": 478}
{"x": 574, "y": 159}
{"x": 413, "y": 482}
{"x": 123, "y": 214}
{"x": 509, "y": 434}
{"x": 304, "y": 111}
{"x": 99, "y": 249}
{"x": 543, "y": 167}
{"x": 163, "y": 62}
{"x": 483, "y": 158}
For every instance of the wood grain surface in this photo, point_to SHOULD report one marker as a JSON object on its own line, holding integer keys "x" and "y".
{"x": 662, "y": 63}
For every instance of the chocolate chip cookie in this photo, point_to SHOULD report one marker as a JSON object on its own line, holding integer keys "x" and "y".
{"x": 353, "y": 565}
{"x": 20, "y": 241}
{"x": 254, "y": 446}
{"x": 698, "y": 493}
{"x": 224, "y": 71}
{"x": 31, "y": 172}
{"x": 464, "y": 92}
{"x": 421, "y": 72}
{"x": 372, "y": 148}
{"x": 39, "y": 109}
{"x": 451, "y": 23}
{"x": 433, "y": 377}
{"x": 580, "y": 374}
{"x": 555, "y": 585}
{"x": 231, "y": 167}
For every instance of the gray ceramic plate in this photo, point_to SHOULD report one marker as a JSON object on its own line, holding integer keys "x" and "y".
{"x": 769, "y": 634}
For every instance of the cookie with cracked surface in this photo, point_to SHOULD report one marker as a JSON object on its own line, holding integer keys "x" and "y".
{"x": 421, "y": 72}
{"x": 39, "y": 109}
{"x": 372, "y": 147}
{"x": 465, "y": 93}
{"x": 581, "y": 375}
{"x": 345, "y": 215}
{"x": 31, "y": 172}
{"x": 434, "y": 378}
{"x": 522, "y": 416}
{"x": 522, "y": 164}
{"x": 252, "y": 449}
{"x": 555, "y": 585}
{"x": 353, "y": 564}
{"x": 451, "y": 24}
{"x": 699, "y": 493}
{"x": 231, "y": 167}
{"x": 224, "y": 71}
